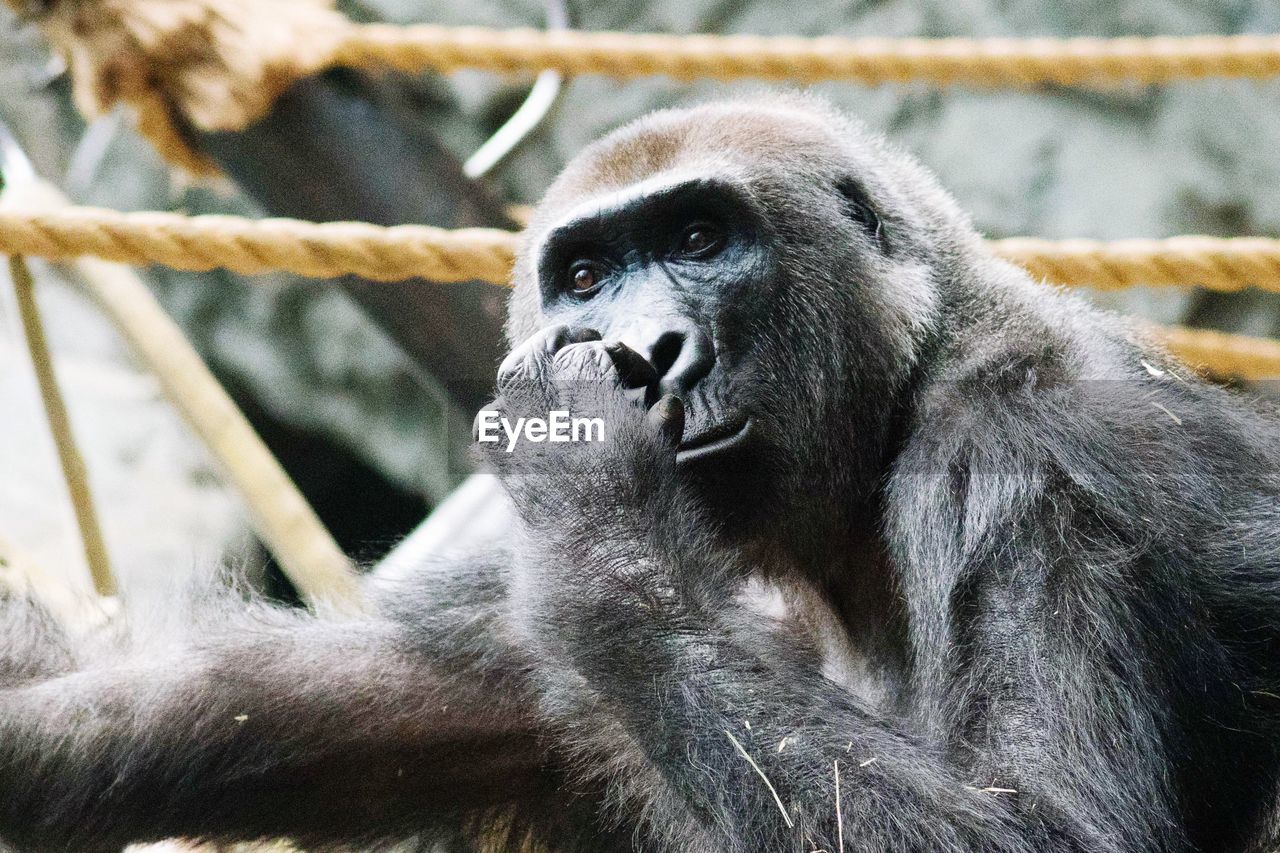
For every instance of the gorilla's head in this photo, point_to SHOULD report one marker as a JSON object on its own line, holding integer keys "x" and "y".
{"x": 778, "y": 265}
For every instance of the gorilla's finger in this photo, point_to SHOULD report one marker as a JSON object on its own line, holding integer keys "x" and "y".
{"x": 566, "y": 335}
{"x": 586, "y": 361}
{"x": 667, "y": 418}
{"x": 578, "y": 335}
{"x": 635, "y": 369}
{"x": 545, "y": 342}
{"x": 518, "y": 357}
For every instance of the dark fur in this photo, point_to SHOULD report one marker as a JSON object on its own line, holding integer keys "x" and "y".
{"x": 1028, "y": 573}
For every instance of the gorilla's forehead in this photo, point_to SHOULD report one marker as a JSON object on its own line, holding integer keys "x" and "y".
{"x": 739, "y": 139}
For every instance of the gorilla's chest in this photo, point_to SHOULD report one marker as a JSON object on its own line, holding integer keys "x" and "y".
{"x": 852, "y": 656}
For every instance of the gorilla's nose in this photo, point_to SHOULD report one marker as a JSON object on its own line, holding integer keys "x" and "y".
{"x": 679, "y": 351}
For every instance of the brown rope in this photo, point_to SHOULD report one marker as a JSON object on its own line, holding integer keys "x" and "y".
{"x": 253, "y": 246}
{"x": 1222, "y": 354}
{"x": 73, "y": 470}
{"x": 1004, "y": 62}
{"x": 210, "y": 64}
{"x": 410, "y": 251}
{"x": 1211, "y": 262}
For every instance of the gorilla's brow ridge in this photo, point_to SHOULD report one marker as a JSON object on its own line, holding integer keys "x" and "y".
{"x": 651, "y": 194}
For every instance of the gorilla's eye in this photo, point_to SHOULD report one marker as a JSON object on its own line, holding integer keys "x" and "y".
{"x": 700, "y": 240}
{"x": 584, "y": 276}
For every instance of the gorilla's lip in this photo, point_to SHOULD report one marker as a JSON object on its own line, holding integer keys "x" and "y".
{"x": 715, "y": 439}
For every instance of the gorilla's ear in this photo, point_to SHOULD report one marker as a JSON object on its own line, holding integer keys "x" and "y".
{"x": 858, "y": 207}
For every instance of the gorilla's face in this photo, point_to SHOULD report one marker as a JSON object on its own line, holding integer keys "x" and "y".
{"x": 755, "y": 281}
{"x": 678, "y": 271}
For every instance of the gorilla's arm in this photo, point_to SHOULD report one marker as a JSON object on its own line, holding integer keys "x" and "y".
{"x": 274, "y": 724}
{"x": 1036, "y": 726}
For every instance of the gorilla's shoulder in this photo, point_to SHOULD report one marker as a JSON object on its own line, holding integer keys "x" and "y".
{"x": 1031, "y": 374}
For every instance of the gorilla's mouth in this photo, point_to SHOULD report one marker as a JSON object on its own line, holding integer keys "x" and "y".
{"x": 715, "y": 439}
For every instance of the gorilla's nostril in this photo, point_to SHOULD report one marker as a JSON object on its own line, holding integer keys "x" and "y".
{"x": 681, "y": 356}
{"x": 666, "y": 351}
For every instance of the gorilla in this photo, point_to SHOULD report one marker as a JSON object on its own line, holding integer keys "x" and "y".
{"x": 884, "y": 547}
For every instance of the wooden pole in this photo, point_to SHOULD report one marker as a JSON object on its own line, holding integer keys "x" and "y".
{"x": 55, "y": 409}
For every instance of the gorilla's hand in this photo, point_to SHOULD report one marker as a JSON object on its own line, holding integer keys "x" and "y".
{"x": 601, "y": 517}
{"x": 576, "y": 424}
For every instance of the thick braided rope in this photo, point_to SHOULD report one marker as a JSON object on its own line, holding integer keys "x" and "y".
{"x": 981, "y": 62}
{"x": 1221, "y": 353}
{"x": 254, "y": 246}
{"x": 1216, "y": 263}
{"x": 417, "y": 251}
